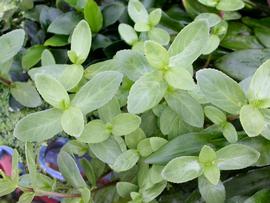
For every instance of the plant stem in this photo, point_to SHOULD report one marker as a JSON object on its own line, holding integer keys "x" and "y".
{"x": 207, "y": 61}
{"x": 62, "y": 195}
{"x": 57, "y": 194}
{"x": 232, "y": 117}
{"x": 5, "y": 81}
{"x": 52, "y": 194}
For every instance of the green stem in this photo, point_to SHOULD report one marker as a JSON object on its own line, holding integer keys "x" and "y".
{"x": 207, "y": 61}
{"x": 51, "y": 194}
{"x": 56, "y": 194}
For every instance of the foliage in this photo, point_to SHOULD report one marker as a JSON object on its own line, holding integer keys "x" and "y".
{"x": 175, "y": 93}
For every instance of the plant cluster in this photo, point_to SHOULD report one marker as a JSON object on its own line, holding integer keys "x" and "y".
{"x": 168, "y": 102}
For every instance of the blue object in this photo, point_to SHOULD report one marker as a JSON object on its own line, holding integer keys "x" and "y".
{"x": 48, "y": 154}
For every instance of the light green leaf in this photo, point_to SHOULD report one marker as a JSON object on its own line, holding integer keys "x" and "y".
{"x": 68, "y": 75}
{"x": 155, "y": 16}
{"x": 207, "y": 155}
{"x": 39, "y": 126}
{"x": 230, "y": 132}
{"x": 127, "y": 33}
{"x": 26, "y": 94}
{"x": 125, "y": 161}
{"x": 10, "y": 44}
{"x": 179, "y": 78}
{"x": 148, "y": 145}
{"x": 212, "y": 44}
{"x": 137, "y": 12}
{"x": 55, "y": 70}
{"x": 85, "y": 194}
{"x": 212, "y": 173}
{"x": 259, "y": 88}
{"x": 72, "y": 121}
{"x": 215, "y": 115}
{"x": 221, "y": 90}
{"x": 96, "y": 68}
{"x": 142, "y": 27}
{"x": 15, "y": 164}
{"x": 168, "y": 120}
{"x": 107, "y": 151}
{"x": 52, "y": 91}
{"x": 236, "y": 156}
{"x": 93, "y": 15}
{"x": 230, "y": 5}
{"x": 197, "y": 94}
{"x": 211, "y": 3}
{"x": 47, "y": 58}
{"x": 71, "y": 76}
{"x": 26, "y": 197}
{"x": 189, "y": 42}
{"x": 125, "y": 188}
{"x": 182, "y": 169}
{"x": 211, "y": 193}
{"x": 186, "y": 106}
{"x": 155, "y": 174}
{"x": 125, "y": 123}
{"x": 146, "y": 93}
{"x": 75, "y": 147}
{"x": 98, "y": 91}
{"x": 212, "y": 19}
{"x": 7, "y": 186}
{"x": 156, "y": 54}
{"x": 81, "y": 40}
{"x": 70, "y": 170}
{"x": 150, "y": 193}
{"x": 159, "y": 35}
{"x": 138, "y": 46}
{"x": 109, "y": 110}
{"x": 94, "y": 132}
{"x": 5, "y": 68}
{"x": 172, "y": 124}
{"x": 252, "y": 120}
{"x": 133, "y": 63}
{"x": 31, "y": 163}
{"x": 134, "y": 138}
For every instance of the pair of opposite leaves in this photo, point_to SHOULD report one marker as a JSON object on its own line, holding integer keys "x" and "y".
{"x": 67, "y": 115}
{"x": 145, "y": 23}
{"x": 170, "y": 68}
{"x": 225, "y": 93}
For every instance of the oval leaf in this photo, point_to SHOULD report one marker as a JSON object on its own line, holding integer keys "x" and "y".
{"x": 221, "y": 90}
{"x": 182, "y": 169}
{"x": 39, "y": 126}
{"x": 52, "y": 91}
{"x": 98, "y": 91}
{"x": 236, "y": 156}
